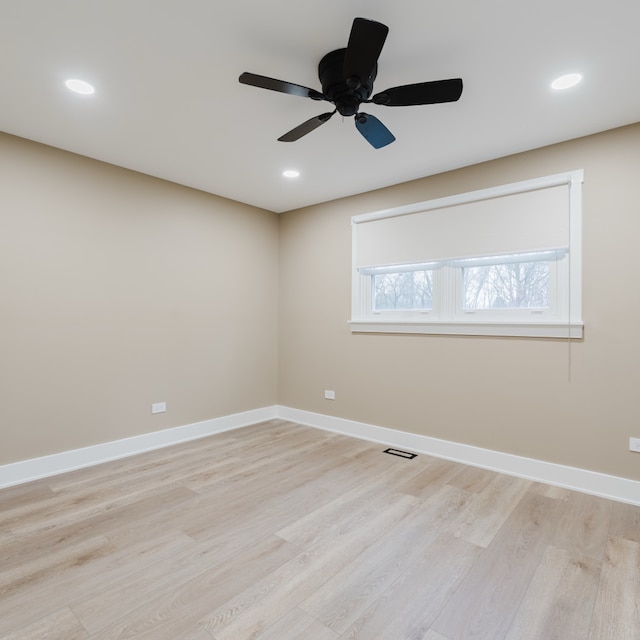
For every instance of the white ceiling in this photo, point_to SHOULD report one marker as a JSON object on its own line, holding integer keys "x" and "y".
{"x": 168, "y": 102}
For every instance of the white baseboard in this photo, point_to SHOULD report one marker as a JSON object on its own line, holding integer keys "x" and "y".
{"x": 35, "y": 468}
{"x": 591, "y": 482}
{"x": 583, "y": 480}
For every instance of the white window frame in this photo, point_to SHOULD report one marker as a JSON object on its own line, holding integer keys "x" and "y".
{"x": 562, "y": 320}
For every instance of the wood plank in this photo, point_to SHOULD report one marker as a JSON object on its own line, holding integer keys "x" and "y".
{"x": 197, "y": 634}
{"x": 260, "y": 606}
{"x": 428, "y": 481}
{"x": 616, "y": 614}
{"x": 473, "y": 479}
{"x": 584, "y": 525}
{"x": 121, "y": 525}
{"x": 549, "y": 491}
{"x": 166, "y": 615}
{"x": 308, "y": 530}
{"x": 60, "y": 625}
{"x": 282, "y": 464}
{"x": 122, "y": 471}
{"x": 27, "y": 494}
{"x": 625, "y": 521}
{"x": 297, "y": 624}
{"x": 288, "y": 494}
{"x": 69, "y": 509}
{"x": 487, "y": 600}
{"x": 29, "y": 574}
{"x": 15, "y": 505}
{"x": 367, "y": 465}
{"x": 559, "y": 602}
{"x": 492, "y": 507}
{"x": 350, "y": 592}
{"x": 408, "y": 607}
{"x": 284, "y": 445}
{"x": 355, "y": 448}
{"x": 255, "y": 519}
{"x": 62, "y": 587}
{"x": 6, "y": 538}
{"x": 434, "y": 635}
{"x": 96, "y": 610}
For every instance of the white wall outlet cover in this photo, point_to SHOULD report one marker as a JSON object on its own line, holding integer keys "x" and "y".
{"x": 329, "y": 394}
{"x": 158, "y": 407}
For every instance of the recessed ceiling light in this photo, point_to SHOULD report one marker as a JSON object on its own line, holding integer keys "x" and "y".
{"x": 291, "y": 173}
{"x": 566, "y": 82}
{"x": 79, "y": 86}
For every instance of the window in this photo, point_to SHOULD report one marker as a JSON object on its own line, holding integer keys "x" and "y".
{"x": 501, "y": 261}
{"x": 519, "y": 281}
{"x": 404, "y": 288}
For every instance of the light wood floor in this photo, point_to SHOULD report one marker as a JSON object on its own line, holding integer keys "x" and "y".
{"x": 283, "y": 532}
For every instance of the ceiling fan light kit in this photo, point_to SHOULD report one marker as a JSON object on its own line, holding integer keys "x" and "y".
{"x": 347, "y": 76}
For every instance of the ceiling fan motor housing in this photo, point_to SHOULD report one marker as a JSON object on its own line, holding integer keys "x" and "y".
{"x": 346, "y": 93}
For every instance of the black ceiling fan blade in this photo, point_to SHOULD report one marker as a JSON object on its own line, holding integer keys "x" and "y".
{"x": 263, "y": 82}
{"x": 373, "y": 131}
{"x": 420, "y": 93}
{"x": 305, "y": 127}
{"x": 363, "y": 50}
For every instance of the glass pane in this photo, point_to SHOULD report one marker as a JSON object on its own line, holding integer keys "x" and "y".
{"x": 515, "y": 285}
{"x": 405, "y": 291}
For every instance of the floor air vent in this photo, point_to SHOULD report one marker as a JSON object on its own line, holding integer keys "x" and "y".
{"x": 401, "y": 454}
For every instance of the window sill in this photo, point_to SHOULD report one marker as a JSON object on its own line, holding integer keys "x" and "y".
{"x": 507, "y": 329}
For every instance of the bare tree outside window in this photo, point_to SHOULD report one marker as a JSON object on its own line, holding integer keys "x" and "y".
{"x": 404, "y": 290}
{"x": 502, "y": 282}
{"x": 516, "y": 285}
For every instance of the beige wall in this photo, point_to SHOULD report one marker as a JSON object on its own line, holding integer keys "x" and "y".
{"x": 575, "y": 405}
{"x": 118, "y": 290}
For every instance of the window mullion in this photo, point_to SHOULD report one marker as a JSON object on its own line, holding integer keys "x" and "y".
{"x": 444, "y": 293}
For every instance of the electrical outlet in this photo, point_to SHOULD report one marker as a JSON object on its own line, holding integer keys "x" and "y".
{"x": 329, "y": 394}
{"x": 158, "y": 407}
{"x": 634, "y": 444}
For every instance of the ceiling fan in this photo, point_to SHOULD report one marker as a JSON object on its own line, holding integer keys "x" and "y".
{"x": 347, "y": 76}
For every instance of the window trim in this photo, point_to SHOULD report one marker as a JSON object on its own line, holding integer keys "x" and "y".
{"x": 470, "y": 323}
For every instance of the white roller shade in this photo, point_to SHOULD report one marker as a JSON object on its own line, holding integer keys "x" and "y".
{"x": 528, "y": 221}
